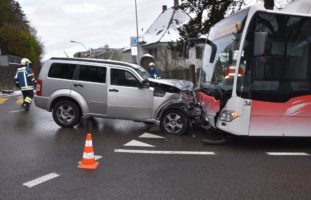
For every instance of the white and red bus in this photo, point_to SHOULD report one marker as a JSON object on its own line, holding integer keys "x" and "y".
{"x": 256, "y": 74}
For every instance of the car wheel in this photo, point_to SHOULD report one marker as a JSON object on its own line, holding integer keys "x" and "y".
{"x": 174, "y": 122}
{"x": 66, "y": 113}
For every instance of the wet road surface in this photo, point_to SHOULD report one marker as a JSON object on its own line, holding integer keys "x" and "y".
{"x": 32, "y": 146}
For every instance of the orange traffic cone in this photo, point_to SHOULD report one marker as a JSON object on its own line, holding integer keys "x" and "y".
{"x": 88, "y": 161}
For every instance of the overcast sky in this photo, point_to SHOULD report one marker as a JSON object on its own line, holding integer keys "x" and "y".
{"x": 94, "y": 23}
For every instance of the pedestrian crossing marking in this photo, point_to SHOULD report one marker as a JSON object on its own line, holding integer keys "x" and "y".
{"x": 41, "y": 179}
{"x": 137, "y": 144}
{"x": 20, "y": 100}
{"x": 149, "y": 135}
{"x": 3, "y": 100}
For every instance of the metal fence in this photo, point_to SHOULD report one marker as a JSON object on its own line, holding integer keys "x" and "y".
{"x": 182, "y": 74}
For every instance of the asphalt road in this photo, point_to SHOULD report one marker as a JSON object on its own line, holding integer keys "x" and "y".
{"x": 32, "y": 146}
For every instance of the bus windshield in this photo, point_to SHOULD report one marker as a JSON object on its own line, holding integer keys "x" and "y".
{"x": 226, "y": 36}
{"x": 283, "y": 69}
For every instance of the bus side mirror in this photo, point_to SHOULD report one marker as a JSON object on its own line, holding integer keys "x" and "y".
{"x": 260, "y": 43}
{"x": 214, "y": 50}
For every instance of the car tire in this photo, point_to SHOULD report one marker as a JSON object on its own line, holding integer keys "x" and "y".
{"x": 66, "y": 113}
{"x": 174, "y": 122}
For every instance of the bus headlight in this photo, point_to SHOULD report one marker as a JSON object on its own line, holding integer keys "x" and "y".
{"x": 228, "y": 115}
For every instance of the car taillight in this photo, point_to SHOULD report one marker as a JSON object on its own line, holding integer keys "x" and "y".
{"x": 39, "y": 88}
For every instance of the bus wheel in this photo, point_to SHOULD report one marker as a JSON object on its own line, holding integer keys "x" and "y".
{"x": 215, "y": 137}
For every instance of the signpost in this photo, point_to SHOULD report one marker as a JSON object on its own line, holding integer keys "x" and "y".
{"x": 134, "y": 49}
{"x": 133, "y": 41}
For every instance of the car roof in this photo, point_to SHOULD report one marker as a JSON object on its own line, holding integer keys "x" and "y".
{"x": 92, "y": 60}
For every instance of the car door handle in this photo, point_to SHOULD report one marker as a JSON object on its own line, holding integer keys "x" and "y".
{"x": 78, "y": 85}
{"x": 113, "y": 90}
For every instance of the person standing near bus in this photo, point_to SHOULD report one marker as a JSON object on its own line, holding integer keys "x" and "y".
{"x": 153, "y": 73}
{"x": 25, "y": 81}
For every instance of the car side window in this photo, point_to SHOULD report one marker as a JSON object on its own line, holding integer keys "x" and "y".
{"x": 92, "y": 74}
{"x": 123, "y": 78}
{"x": 62, "y": 71}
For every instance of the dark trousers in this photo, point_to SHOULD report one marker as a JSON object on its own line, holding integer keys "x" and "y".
{"x": 29, "y": 94}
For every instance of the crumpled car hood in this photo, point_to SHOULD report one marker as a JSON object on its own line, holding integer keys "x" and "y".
{"x": 179, "y": 84}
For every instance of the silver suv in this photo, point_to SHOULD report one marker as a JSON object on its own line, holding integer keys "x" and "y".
{"x": 71, "y": 88}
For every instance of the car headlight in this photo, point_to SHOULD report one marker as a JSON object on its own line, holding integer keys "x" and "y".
{"x": 228, "y": 115}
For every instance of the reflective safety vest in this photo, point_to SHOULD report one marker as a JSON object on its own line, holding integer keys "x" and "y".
{"x": 25, "y": 78}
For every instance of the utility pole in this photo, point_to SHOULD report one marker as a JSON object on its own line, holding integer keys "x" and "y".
{"x": 137, "y": 35}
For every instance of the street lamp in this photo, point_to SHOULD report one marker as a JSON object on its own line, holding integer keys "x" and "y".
{"x": 72, "y": 41}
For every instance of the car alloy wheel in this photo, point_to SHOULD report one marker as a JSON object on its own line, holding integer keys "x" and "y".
{"x": 174, "y": 122}
{"x": 66, "y": 113}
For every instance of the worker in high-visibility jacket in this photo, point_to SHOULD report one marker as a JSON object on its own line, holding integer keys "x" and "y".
{"x": 25, "y": 81}
{"x": 230, "y": 72}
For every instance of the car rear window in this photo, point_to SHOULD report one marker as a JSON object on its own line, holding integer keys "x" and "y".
{"x": 92, "y": 74}
{"x": 62, "y": 71}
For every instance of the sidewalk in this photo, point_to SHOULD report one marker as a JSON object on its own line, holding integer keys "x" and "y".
{"x": 7, "y": 94}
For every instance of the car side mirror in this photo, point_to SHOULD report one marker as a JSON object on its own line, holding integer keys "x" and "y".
{"x": 261, "y": 39}
{"x": 144, "y": 84}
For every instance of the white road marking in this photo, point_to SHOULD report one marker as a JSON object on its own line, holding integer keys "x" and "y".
{"x": 21, "y": 110}
{"x": 15, "y": 111}
{"x": 287, "y": 154}
{"x": 41, "y": 179}
{"x": 97, "y": 157}
{"x": 135, "y": 143}
{"x": 149, "y": 135}
{"x": 164, "y": 152}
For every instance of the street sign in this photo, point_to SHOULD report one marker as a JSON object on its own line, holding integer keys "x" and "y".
{"x": 134, "y": 51}
{"x": 133, "y": 41}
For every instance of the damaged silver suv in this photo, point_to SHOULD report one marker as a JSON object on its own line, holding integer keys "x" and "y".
{"x": 71, "y": 88}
